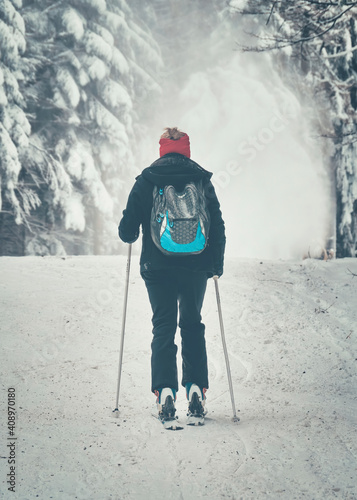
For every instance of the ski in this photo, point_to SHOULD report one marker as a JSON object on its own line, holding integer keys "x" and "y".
{"x": 171, "y": 424}
{"x": 198, "y": 420}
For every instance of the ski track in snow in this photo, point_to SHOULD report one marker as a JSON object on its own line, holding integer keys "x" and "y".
{"x": 291, "y": 334}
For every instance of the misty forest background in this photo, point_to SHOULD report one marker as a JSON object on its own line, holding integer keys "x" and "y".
{"x": 267, "y": 92}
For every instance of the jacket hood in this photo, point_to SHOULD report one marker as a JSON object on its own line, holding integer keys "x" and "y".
{"x": 174, "y": 168}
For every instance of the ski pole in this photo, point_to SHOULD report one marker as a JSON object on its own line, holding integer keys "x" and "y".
{"x": 235, "y": 418}
{"x": 116, "y": 409}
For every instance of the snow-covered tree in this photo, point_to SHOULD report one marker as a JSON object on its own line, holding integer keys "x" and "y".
{"x": 16, "y": 198}
{"x": 93, "y": 67}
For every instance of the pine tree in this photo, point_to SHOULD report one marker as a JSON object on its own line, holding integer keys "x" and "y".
{"x": 344, "y": 98}
{"x": 16, "y": 198}
{"x": 91, "y": 61}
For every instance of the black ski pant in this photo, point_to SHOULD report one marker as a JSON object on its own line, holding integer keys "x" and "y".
{"x": 173, "y": 291}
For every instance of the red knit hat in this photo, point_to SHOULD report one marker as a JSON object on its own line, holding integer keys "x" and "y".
{"x": 181, "y": 145}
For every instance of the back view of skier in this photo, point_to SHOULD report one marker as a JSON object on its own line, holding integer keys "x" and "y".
{"x": 175, "y": 283}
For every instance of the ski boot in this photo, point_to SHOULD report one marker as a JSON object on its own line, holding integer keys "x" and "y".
{"x": 196, "y": 405}
{"x": 166, "y": 398}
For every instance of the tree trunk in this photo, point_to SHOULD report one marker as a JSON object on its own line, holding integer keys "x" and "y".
{"x": 12, "y": 241}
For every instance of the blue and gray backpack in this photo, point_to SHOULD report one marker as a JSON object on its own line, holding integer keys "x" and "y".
{"x": 180, "y": 220}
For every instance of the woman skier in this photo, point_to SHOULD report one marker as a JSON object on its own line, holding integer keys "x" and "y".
{"x": 176, "y": 284}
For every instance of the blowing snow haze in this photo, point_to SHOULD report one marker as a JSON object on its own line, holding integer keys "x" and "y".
{"x": 246, "y": 127}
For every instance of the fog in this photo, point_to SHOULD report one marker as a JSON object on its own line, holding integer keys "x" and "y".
{"x": 247, "y": 128}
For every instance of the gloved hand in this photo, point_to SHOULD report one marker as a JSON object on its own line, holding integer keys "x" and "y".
{"x": 218, "y": 273}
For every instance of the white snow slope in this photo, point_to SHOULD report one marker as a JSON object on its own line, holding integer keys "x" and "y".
{"x": 291, "y": 331}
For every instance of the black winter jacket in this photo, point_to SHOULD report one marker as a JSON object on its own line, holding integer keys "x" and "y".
{"x": 177, "y": 170}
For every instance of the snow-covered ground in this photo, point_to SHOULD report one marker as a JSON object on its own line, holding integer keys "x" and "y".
{"x": 291, "y": 331}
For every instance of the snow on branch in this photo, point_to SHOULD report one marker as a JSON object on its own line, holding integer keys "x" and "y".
{"x": 340, "y": 54}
